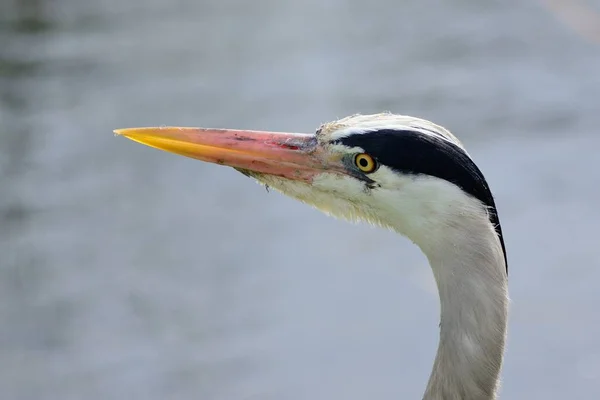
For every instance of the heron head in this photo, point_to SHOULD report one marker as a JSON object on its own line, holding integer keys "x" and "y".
{"x": 396, "y": 171}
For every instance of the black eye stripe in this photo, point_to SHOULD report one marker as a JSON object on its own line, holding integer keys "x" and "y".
{"x": 413, "y": 152}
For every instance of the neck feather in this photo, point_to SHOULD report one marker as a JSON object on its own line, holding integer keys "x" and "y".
{"x": 469, "y": 268}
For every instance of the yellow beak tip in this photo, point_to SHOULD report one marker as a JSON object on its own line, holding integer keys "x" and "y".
{"x": 120, "y": 132}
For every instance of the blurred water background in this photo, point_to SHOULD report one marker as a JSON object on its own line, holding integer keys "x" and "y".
{"x": 129, "y": 273}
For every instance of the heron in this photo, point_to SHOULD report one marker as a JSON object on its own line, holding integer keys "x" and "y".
{"x": 406, "y": 174}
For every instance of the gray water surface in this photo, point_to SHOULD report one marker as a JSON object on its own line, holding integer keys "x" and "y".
{"x": 128, "y": 273}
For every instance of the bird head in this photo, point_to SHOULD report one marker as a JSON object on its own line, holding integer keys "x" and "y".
{"x": 396, "y": 171}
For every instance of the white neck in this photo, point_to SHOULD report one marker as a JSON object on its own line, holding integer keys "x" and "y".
{"x": 469, "y": 268}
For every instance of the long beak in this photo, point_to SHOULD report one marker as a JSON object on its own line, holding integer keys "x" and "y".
{"x": 290, "y": 155}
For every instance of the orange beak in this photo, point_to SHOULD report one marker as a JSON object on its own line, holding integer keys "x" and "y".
{"x": 290, "y": 155}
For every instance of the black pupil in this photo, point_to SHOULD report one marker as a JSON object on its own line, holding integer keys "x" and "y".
{"x": 363, "y": 162}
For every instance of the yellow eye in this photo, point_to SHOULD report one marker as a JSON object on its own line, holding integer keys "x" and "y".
{"x": 365, "y": 162}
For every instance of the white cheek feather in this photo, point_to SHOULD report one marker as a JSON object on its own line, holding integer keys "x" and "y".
{"x": 328, "y": 193}
{"x": 420, "y": 207}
